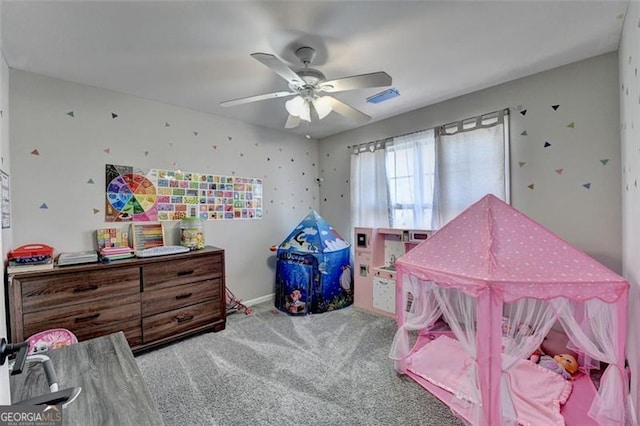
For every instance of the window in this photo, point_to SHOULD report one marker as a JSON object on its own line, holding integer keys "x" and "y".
{"x": 432, "y": 175}
{"x": 472, "y": 161}
{"x": 410, "y": 167}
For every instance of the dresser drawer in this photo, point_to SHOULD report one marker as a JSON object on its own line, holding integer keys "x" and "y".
{"x": 179, "y": 320}
{"x": 66, "y": 289}
{"x": 170, "y": 298}
{"x": 181, "y": 271}
{"x": 85, "y": 317}
{"x": 132, "y": 331}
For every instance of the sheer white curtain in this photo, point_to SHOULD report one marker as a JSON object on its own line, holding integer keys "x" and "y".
{"x": 428, "y": 302}
{"x": 369, "y": 197}
{"x": 525, "y": 324}
{"x": 421, "y": 181}
{"x": 597, "y": 337}
{"x": 421, "y": 311}
{"x": 471, "y": 162}
{"x": 459, "y": 311}
{"x": 410, "y": 163}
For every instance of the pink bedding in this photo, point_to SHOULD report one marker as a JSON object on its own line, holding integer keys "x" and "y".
{"x": 537, "y": 392}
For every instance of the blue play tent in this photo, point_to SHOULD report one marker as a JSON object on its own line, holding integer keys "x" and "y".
{"x": 313, "y": 272}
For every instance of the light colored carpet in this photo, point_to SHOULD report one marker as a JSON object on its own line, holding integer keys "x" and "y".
{"x": 269, "y": 368}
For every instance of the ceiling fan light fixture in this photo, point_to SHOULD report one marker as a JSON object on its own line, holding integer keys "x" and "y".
{"x": 298, "y": 107}
{"x": 306, "y": 112}
{"x": 323, "y": 106}
{"x": 294, "y": 106}
{"x": 306, "y": 86}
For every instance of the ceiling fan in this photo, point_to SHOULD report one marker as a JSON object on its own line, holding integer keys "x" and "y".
{"x": 310, "y": 89}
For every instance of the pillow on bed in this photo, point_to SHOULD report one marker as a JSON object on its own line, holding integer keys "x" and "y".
{"x": 556, "y": 343}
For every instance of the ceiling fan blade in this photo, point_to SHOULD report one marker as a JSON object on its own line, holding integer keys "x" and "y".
{"x": 279, "y": 67}
{"x": 375, "y": 79}
{"x": 256, "y": 98}
{"x": 292, "y": 121}
{"x": 348, "y": 111}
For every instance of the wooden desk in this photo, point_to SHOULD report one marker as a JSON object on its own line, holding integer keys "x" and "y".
{"x": 113, "y": 390}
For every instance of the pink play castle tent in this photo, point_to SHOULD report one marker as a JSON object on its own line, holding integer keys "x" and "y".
{"x": 488, "y": 289}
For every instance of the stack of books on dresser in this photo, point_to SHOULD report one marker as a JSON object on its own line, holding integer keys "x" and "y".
{"x": 30, "y": 257}
{"x": 109, "y": 254}
{"x": 44, "y": 263}
{"x": 78, "y": 257}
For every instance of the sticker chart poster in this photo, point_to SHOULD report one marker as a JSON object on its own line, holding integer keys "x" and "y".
{"x": 165, "y": 195}
{"x": 209, "y": 197}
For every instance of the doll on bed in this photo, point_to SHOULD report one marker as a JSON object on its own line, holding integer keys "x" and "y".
{"x": 563, "y": 364}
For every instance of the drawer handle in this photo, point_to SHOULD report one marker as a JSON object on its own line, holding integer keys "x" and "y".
{"x": 183, "y": 273}
{"x": 183, "y": 296}
{"x": 184, "y": 318}
{"x": 87, "y": 318}
{"x": 86, "y": 288}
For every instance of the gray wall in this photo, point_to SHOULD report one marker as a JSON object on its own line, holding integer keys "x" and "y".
{"x": 585, "y": 150}
{"x": 629, "y": 91}
{"x": 58, "y": 195}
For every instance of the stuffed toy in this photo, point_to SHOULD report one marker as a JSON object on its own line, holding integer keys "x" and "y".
{"x": 563, "y": 364}
{"x": 535, "y": 356}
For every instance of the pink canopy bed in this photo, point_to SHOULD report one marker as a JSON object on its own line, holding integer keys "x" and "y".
{"x": 504, "y": 285}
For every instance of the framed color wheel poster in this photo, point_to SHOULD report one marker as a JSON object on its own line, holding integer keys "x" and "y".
{"x": 130, "y": 195}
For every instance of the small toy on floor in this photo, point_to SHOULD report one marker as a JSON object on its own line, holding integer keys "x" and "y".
{"x": 234, "y": 304}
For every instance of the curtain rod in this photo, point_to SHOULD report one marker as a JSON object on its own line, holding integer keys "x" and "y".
{"x": 356, "y": 148}
{"x": 503, "y": 111}
{"x": 390, "y": 138}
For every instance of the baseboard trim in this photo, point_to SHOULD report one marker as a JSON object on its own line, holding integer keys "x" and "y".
{"x": 257, "y": 300}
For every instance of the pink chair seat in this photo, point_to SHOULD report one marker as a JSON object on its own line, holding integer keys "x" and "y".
{"x": 50, "y": 339}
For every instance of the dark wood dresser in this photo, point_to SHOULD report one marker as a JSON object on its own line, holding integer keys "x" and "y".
{"x": 151, "y": 300}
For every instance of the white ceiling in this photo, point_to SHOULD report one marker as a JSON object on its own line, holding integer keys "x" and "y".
{"x": 196, "y": 54}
